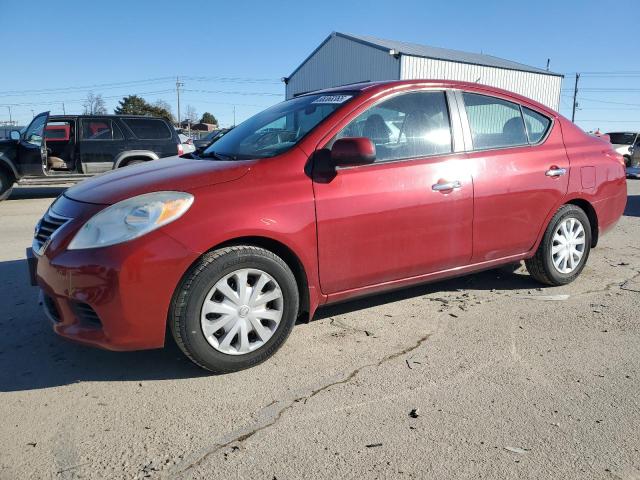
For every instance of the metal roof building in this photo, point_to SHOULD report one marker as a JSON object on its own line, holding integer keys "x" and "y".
{"x": 344, "y": 58}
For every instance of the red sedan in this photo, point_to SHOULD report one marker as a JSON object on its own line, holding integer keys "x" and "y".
{"x": 325, "y": 197}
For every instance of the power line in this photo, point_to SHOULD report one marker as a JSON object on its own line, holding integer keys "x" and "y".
{"x": 266, "y": 94}
{"x": 80, "y": 100}
{"x": 604, "y": 101}
{"x": 610, "y": 121}
{"x": 42, "y": 91}
{"x": 148, "y": 81}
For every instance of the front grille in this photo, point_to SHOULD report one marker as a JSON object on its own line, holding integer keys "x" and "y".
{"x": 86, "y": 315}
{"x": 47, "y": 226}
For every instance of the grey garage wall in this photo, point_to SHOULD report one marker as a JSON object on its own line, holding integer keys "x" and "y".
{"x": 340, "y": 61}
{"x": 540, "y": 87}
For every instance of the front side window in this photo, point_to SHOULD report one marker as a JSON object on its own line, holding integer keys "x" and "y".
{"x": 34, "y": 132}
{"x": 57, "y": 131}
{"x": 410, "y": 125}
{"x": 276, "y": 129}
{"x": 494, "y": 123}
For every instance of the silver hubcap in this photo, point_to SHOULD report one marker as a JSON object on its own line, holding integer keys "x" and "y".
{"x": 567, "y": 248}
{"x": 242, "y": 311}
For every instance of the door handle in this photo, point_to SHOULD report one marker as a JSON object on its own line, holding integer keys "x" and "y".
{"x": 443, "y": 187}
{"x": 555, "y": 172}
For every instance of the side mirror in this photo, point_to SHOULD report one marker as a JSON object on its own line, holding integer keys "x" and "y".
{"x": 350, "y": 151}
{"x": 14, "y": 134}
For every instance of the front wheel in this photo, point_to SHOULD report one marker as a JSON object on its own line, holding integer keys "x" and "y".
{"x": 564, "y": 249}
{"x": 234, "y": 308}
{"x": 6, "y": 185}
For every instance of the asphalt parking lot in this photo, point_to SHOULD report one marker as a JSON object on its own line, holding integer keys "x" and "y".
{"x": 485, "y": 376}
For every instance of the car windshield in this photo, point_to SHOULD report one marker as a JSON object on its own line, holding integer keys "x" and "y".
{"x": 276, "y": 129}
{"x": 624, "y": 138}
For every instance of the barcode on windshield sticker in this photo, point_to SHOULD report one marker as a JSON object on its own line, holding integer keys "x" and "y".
{"x": 332, "y": 99}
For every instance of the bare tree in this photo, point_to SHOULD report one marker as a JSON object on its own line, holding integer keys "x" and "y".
{"x": 94, "y": 105}
{"x": 164, "y": 106}
{"x": 191, "y": 115}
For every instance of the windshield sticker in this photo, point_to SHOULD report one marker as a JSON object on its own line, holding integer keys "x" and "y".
{"x": 332, "y": 99}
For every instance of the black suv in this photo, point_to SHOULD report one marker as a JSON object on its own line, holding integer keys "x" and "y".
{"x": 68, "y": 148}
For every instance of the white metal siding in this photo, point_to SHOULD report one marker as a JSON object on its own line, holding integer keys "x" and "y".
{"x": 341, "y": 61}
{"x": 540, "y": 87}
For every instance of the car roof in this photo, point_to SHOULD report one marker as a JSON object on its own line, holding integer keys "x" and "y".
{"x": 379, "y": 86}
{"x": 63, "y": 117}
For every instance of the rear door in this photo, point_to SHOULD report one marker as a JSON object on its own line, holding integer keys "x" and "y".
{"x": 100, "y": 142}
{"x": 32, "y": 148}
{"x": 520, "y": 173}
{"x": 395, "y": 219}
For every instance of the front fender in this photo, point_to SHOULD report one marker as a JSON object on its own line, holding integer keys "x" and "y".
{"x": 9, "y": 165}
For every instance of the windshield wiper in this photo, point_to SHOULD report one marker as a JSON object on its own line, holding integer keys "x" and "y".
{"x": 217, "y": 156}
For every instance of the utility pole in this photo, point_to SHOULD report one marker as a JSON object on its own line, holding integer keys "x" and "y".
{"x": 575, "y": 98}
{"x": 10, "y": 120}
{"x": 33, "y": 115}
{"x": 178, "y": 85}
{"x": 64, "y": 112}
{"x": 234, "y": 115}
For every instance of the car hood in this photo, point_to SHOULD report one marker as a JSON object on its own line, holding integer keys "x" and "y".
{"x": 7, "y": 142}
{"x": 172, "y": 173}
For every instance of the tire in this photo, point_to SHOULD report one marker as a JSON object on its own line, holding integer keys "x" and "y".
{"x": 542, "y": 266}
{"x": 218, "y": 351}
{"x": 6, "y": 185}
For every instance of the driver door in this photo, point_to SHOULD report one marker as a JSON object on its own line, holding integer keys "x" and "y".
{"x": 32, "y": 148}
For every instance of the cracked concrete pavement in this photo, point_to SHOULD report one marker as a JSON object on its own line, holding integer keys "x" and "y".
{"x": 484, "y": 376}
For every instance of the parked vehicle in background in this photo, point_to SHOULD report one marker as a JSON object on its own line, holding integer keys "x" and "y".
{"x": 625, "y": 142}
{"x": 322, "y": 198}
{"x": 633, "y": 163}
{"x": 69, "y": 148}
{"x": 187, "y": 143}
{"x": 209, "y": 138}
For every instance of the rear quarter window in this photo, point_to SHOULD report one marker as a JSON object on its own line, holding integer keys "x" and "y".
{"x": 148, "y": 128}
{"x": 537, "y": 124}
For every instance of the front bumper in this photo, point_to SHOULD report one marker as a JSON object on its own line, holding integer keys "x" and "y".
{"x": 117, "y": 297}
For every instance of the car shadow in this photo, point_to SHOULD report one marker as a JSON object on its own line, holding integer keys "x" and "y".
{"x": 35, "y": 358}
{"x": 504, "y": 278}
{"x": 633, "y": 206}
{"x": 20, "y": 193}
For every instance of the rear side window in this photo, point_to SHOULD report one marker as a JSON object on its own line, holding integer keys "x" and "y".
{"x": 494, "y": 123}
{"x": 99, "y": 129}
{"x": 410, "y": 125}
{"x": 537, "y": 124}
{"x": 148, "y": 128}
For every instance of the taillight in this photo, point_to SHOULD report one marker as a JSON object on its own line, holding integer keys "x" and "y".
{"x": 180, "y": 149}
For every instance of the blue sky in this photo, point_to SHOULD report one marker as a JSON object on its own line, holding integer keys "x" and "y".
{"x": 234, "y": 53}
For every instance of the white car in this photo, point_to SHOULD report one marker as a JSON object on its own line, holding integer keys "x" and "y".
{"x": 187, "y": 143}
{"x": 625, "y": 142}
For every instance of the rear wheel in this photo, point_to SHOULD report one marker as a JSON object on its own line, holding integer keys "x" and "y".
{"x": 234, "y": 308}
{"x": 6, "y": 185}
{"x": 564, "y": 249}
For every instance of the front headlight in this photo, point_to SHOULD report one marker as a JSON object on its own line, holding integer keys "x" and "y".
{"x": 131, "y": 218}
